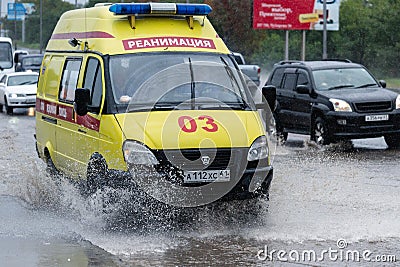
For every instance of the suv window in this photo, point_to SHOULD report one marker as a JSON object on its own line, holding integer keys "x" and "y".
{"x": 302, "y": 79}
{"x": 289, "y": 81}
{"x": 328, "y": 79}
{"x": 277, "y": 77}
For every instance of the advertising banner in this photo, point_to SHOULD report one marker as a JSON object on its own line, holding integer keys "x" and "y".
{"x": 295, "y": 14}
{"x": 18, "y": 11}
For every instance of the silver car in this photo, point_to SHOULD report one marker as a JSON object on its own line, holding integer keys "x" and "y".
{"x": 18, "y": 90}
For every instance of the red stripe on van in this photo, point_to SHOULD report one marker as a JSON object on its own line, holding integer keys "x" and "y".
{"x": 81, "y": 35}
{"x": 66, "y": 113}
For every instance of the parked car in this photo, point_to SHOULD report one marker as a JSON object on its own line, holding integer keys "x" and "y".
{"x": 333, "y": 100}
{"x": 18, "y": 90}
{"x": 251, "y": 71}
{"x": 29, "y": 62}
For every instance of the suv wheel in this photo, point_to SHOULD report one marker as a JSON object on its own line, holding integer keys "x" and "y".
{"x": 281, "y": 136}
{"x": 319, "y": 132}
{"x": 392, "y": 140}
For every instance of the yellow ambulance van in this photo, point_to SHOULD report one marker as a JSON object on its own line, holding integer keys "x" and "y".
{"x": 148, "y": 94}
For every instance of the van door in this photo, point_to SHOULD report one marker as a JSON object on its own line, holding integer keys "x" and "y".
{"x": 67, "y": 128}
{"x": 88, "y": 125}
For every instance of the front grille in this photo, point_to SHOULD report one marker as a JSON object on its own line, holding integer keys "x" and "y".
{"x": 201, "y": 159}
{"x": 173, "y": 163}
{"x": 374, "y": 106}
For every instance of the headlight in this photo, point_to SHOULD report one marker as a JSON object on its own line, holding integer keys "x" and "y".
{"x": 258, "y": 150}
{"x": 137, "y": 154}
{"x": 340, "y": 105}
{"x": 398, "y": 102}
{"x": 12, "y": 95}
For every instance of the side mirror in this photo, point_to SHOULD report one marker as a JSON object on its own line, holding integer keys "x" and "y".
{"x": 303, "y": 89}
{"x": 81, "y": 101}
{"x": 269, "y": 93}
{"x": 382, "y": 83}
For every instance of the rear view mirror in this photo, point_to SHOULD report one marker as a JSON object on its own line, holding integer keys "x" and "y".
{"x": 382, "y": 83}
{"x": 303, "y": 89}
{"x": 81, "y": 101}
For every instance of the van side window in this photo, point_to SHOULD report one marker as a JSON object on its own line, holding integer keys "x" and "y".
{"x": 93, "y": 81}
{"x": 69, "y": 79}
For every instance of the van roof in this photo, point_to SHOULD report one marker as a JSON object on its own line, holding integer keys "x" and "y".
{"x": 107, "y": 33}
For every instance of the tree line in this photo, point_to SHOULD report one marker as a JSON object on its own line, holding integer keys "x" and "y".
{"x": 369, "y": 33}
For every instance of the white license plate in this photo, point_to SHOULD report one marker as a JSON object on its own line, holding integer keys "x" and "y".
{"x": 377, "y": 117}
{"x": 207, "y": 176}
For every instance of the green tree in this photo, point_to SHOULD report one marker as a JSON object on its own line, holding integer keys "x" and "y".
{"x": 52, "y": 10}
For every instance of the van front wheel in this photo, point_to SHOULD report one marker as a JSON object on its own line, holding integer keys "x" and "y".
{"x": 96, "y": 173}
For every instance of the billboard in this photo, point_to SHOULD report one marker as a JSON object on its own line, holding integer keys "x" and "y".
{"x": 17, "y": 11}
{"x": 295, "y": 14}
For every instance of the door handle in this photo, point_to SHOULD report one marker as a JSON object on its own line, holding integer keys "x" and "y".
{"x": 81, "y": 131}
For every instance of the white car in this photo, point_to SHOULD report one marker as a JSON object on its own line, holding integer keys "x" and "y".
{"x": 18, "y": 90}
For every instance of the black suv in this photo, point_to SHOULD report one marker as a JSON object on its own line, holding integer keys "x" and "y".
{"x": 29, "y": 62}
{"x": 333, "y": 100}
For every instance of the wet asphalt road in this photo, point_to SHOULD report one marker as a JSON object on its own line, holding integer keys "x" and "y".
{"x": 339, "y": 204}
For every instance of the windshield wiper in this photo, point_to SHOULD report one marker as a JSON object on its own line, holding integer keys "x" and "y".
{"x": 192, "y": 85}
{"x": 27, "y": 82}
{"x": 232, "y": 79}
{"x": 341, "y": 86}
{"x": 154, "y": 107}
{"x": 224, "y": 106}
{"x": 367, "y": 85}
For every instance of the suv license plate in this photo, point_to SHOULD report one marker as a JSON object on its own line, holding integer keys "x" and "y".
{"x": 377, "y": 117}
{"x": 207, "y": 176}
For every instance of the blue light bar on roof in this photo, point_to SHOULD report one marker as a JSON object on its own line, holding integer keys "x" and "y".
{"x": 160, "y": 8}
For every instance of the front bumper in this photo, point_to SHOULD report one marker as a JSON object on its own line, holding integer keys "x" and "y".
{"x": 22, "y": 102}
{"x": 353, "y": 125}
{"x": 247, "y": 179}
{"x": 254, "y": 183}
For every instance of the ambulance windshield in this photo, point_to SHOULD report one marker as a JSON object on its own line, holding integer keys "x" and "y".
{"x": 177, "y": 81}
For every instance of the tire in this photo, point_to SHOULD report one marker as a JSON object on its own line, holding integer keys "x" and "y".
{"x": 320, "y": 133}
{"x": 1, "y": 108}
{"x": 281, "y": 135}
{"x": 392, "y": 140}
{"x": 9, "y": 110}
{"x": 96, "y": 175}
{"x": 50, "y": 167}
